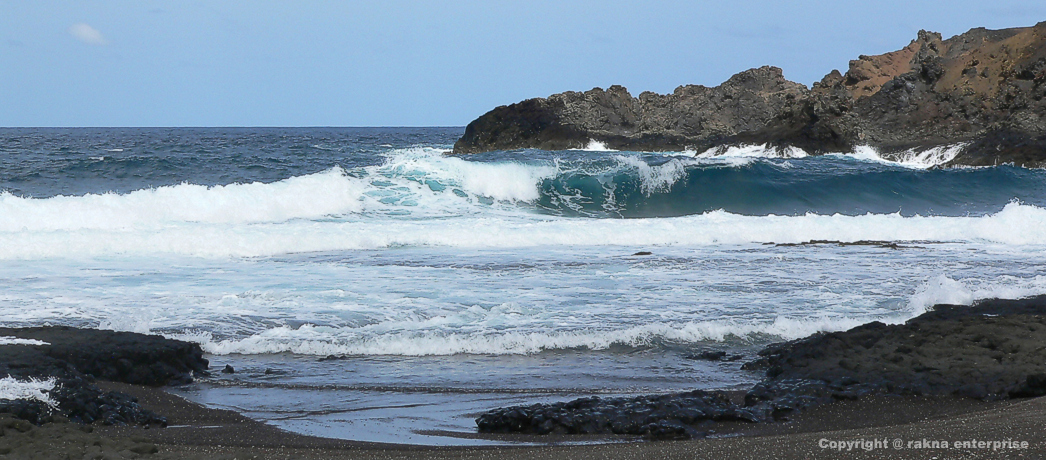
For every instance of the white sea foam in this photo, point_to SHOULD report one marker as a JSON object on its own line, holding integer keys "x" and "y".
{"x": 314, "y": 340}
{"x": 506, "y": 181}
{"x": 139, "y": 322}
{"x": 596, "y": 146}
{"x": 303, "y": 197}
{"x": 912, "y": 158}
{"x": 945, "y": 290}
{"x": 419, "y": 197}
{"x": 7, "y": 340}
{"x": 32, "y": 389}
{"x": 513, "y": 330}
{"x": 753, "y": 151}
{"x": 655, "y": 179}
{"x": 420, "y": 181}
{"x": 1016, "y": 224}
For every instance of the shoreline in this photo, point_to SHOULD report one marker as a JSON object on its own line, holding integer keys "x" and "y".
{"x": 953, "y": 374}
{"x": 198, "y": 432}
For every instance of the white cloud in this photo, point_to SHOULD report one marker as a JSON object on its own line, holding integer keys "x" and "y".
{"x": 87, "y": 34}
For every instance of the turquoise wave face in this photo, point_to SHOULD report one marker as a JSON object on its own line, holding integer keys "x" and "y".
{"x": 817, "y": 185}
{"x": 405, "y": 172}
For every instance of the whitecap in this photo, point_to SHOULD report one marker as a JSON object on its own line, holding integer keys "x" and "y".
{"x": 8, "y": 340}
{"x": 912, "y": 158}
{"x": 753, "y": 151}
{"x": 31, "y": 389}
{"x": 595, "y": 146}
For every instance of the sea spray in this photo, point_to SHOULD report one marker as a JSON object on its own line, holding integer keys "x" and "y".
{"x": 31, "y": 389}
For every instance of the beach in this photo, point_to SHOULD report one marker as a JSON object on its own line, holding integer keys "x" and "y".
{"x": 200, "y": 433}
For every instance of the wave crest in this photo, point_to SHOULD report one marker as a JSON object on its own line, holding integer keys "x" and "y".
{"x": 1017, "y": 224}
{"x": 483, "y": 332}
{"x": 315, "y": 340}
{"x": 304, "y": 197}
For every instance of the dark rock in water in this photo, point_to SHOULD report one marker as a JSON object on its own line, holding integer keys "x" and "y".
{"x": 709, "y": 355}
{"x": 116, "y": 356}
{"x": 228, "y": 370}
{"x": 986, "y": 88}
{"x": 878, "y": 244}
{"x": 76, "y": 357}
{"x": 714, "y": 356}
{"x": 992, "y": 350}
{"x": 643, "y": 253}
{"x": 747, "y": 101}
{"x": 332, "y": 358}
{"x": 658, "y": 417}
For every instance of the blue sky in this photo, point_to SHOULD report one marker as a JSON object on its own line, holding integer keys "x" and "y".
{"x": 420, "y": 63}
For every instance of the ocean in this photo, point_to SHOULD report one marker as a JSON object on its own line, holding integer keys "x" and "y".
{"x": 365, "y": 284}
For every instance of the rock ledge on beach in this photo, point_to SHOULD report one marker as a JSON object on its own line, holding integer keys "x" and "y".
{"x": 76, "y": 357}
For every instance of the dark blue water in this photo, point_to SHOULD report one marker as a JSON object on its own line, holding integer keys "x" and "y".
{"x": 44, "y": 162}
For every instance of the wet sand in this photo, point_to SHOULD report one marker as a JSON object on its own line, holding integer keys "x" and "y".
{"x": 196, "y": 432}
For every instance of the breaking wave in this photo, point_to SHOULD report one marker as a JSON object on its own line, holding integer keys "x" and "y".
{"x": 421, "y": 338}
{"x": 1017, "y": 224}
{"x": 420, "y": 197}
{"x": 315, "y": 340}
{"x": 916, "y": 158}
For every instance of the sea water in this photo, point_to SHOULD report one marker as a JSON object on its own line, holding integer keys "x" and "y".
{"x": 365, "y": 284}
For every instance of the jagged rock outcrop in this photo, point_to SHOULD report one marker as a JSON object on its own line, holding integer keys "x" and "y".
{"x": 985, "y": 88}
{"x": 692, "y": 115}
{"x": 75, "y": 358}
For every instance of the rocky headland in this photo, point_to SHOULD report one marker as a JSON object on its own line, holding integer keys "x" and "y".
{"x": 984, "y": 89}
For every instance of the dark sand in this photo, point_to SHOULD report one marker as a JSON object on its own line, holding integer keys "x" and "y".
{"x": 196, "y": 432}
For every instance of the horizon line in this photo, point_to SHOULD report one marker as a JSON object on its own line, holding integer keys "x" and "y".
{"x": 227, "y": 127}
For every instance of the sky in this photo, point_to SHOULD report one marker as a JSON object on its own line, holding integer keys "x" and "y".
{"x": 419, "y": 63}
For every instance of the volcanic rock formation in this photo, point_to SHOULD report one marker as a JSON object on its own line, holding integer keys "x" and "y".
{"x": 75, "y": 358}
{"x": 984, "y": 88}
